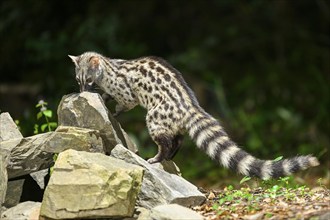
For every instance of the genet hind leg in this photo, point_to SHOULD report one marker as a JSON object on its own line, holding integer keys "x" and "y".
{"x": 163, "y": 135}
{"x": 176, "y": 144}
{"x": 164, "y": 144}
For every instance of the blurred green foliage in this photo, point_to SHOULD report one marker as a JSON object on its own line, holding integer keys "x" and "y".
{"x": 261, "y": 67}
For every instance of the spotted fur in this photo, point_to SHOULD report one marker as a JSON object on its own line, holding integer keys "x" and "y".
{"x": 173, "y": 109}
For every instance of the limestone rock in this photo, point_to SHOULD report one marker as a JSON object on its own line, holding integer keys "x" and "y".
{"x": 23, "y": 189}
{"x": 30, "y": 154}
{"x": 324, "y": 216}
{"x": 39, "y": 177}
{"x": 13, "y": 193}
{"x": 81, "y": 139}
{"x": 26, "y": 155}
{"x": 3, "y": 180}
{"x": 143, "y": 213}
{"x": 169, "y": 166}
{"x": 91, "y": 185}
{"x": 88, "y": 110}
{"x": 23, "y": 211}
{"x": 8, "y": 128}
{"x": 174, "y": 212}
{"x": 158, "y": 186}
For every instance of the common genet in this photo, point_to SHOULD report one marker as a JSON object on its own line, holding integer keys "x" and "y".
{"x": 172, "y": 110}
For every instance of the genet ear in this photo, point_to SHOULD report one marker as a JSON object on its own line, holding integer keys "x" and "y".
{"x": 94, "y": 62}
{"x": 74, "y": 59}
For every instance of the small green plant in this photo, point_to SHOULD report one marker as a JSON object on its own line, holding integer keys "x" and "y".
{"x": 252, "y": 200}
{"x": 47, "y": 115}
{"x": 231, "y": 198}
{"x": 244, "y": 179}
{"x": 48, "y": 125}
{"x": 278, "y": 158}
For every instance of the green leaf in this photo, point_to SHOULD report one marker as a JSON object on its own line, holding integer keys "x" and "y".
{"x": 36, "y": 129}
{"x": 55, "y": 157}
{"x": 51, "y": 170}
{"x": 48, "y": 113}
{"x": 278, "y": 158}
{"x": 38, "y": 105}
{"x": 52, "y": 124}
{"x": 39, "y": 115}
{"x": 245, "y": 179}
{"x": 43, "y": 127}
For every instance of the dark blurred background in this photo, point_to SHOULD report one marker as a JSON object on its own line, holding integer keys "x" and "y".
{"x": 260, "y": 67}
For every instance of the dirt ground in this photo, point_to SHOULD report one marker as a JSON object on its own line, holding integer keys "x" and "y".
{"x": 259, "y": 203}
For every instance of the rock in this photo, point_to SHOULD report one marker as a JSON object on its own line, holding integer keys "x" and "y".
{"x": 8, "y": 128}
{"x": 169, "y": 166}
{"x": 81, "y": 139}
{"x": 91, "y": 185}
{"x": 26, "y": 155}
{"x": 3, "y": 180}
{"x": 174, "y": 212}
{"x": 23, "y": 189}
{"x": 13, "y": 193}
{"x": 160, "y": 187}
{"x": 39, "y": 177}
{"x": 23, "y": 211}
{"x": 323, "y": 216}
{"x": 130, "y": 143}
{"x": 87, "y": 110}
{"x": 2, "y": 210}
{"x": 143, "y": 213}
{"x": 31, "y": 154}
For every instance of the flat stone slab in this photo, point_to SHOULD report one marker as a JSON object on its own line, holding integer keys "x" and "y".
{"x": 31, "y": 154}
{"x": 160, "y": 187}
{"x": 26, "y": 155}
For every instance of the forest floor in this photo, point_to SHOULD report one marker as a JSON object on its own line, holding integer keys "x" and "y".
{"x": 279, "y": 199}
{"x": 259, "y": 203}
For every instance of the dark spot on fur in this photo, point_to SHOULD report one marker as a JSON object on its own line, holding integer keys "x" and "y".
{"x": 152, "y": 65}
{"x": 157, "y": 96}
{"x": 167, "y": 77}
{"x": 152, "y": 78}
{"x": 166, "y": 106}
{"x": 121, "y": 86}
{"x": 156, "y": 115}
{"x": 143, "y": 71}
{"x": 159, "y": 69}
{"x": 145, "y": 87}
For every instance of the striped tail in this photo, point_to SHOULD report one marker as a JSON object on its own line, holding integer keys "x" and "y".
{"x": 212, "y": 139}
